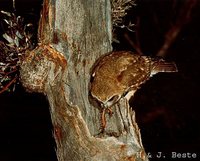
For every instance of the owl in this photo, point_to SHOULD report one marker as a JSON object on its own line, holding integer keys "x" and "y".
{"x": 119, "y": 74}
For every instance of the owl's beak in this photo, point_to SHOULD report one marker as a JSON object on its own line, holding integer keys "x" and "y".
{"x": 112, "y": 101}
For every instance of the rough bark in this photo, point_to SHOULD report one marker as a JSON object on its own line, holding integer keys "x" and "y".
{"x": 73, "y": 34}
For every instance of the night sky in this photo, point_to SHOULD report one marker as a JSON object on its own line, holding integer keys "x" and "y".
{"x": 167, "y": 106}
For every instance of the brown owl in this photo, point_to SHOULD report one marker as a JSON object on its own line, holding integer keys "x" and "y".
{"x": 120, "y": 73}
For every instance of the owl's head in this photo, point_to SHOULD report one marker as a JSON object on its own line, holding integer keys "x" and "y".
{"x": 106, "y": 93}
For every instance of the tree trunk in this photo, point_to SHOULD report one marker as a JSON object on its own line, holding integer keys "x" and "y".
{"x": 73, "y": 34}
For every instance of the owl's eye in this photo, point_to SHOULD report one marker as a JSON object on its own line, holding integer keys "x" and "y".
{"x": 112, "y": 101}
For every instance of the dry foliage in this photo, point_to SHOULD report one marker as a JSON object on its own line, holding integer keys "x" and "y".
{"x": 17, "y": 39}
{"x": 119, "y": 11}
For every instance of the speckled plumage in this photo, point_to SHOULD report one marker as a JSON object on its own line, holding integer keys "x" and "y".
{"x": 120, "y": 72}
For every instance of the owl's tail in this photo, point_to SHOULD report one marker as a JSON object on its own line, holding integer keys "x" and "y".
{"x": 163, "y": 66}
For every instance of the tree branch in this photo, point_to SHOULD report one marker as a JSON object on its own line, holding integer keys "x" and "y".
{"x": 183, "y": 18}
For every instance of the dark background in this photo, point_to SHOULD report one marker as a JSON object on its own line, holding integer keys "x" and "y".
{"x": 167, "y": 106}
